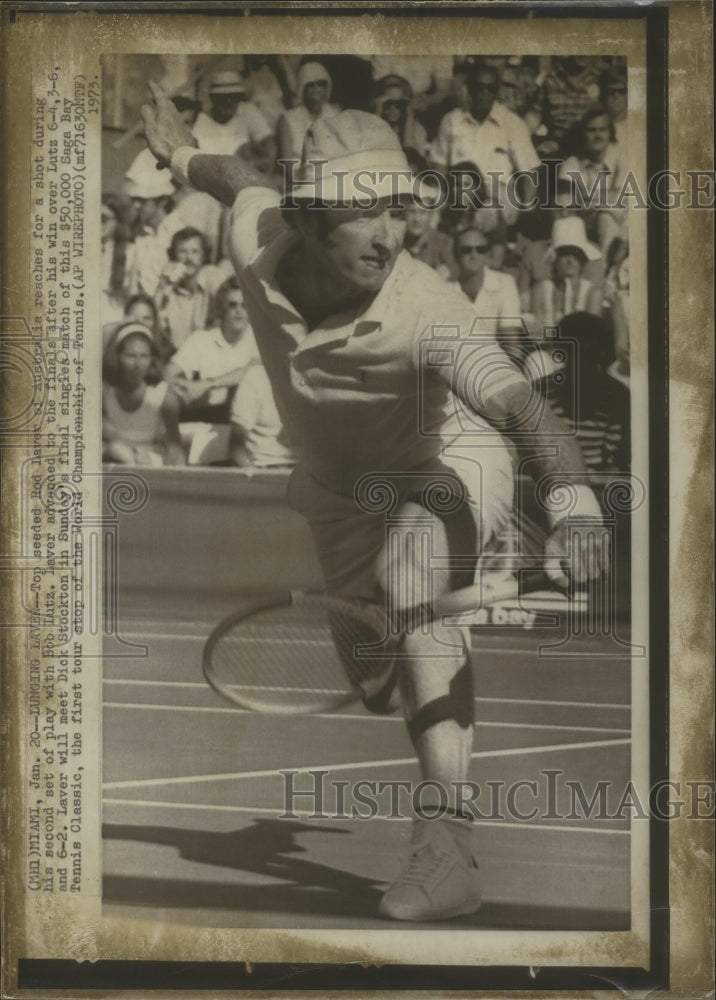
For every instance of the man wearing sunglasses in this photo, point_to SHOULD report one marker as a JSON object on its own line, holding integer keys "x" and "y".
{"x": 494, "y": 294}
{"x": 488, "y": 134}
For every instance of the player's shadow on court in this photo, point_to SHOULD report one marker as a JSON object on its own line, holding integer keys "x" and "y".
{"x": 268, "y": 848}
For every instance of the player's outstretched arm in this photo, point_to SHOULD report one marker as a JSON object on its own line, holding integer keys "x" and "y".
{"x": 220, "y": 176}
{"x": 543, "y": 440}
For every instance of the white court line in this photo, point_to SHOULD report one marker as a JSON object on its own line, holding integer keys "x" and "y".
{"x": 567, "y": 704}
{"x": 353, "y": 765}
{"x": 245, "y": 711}
{"x": 148, "y": 636}
{"x": 307, "y": 814}
{"x": 337, "y": 715}
{"x": 505, "y": 701}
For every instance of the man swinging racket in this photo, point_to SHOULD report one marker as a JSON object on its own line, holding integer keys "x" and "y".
{"x": 379, "y": 377}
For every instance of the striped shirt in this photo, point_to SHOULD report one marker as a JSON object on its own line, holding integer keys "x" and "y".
{"x": 600, "y": 419}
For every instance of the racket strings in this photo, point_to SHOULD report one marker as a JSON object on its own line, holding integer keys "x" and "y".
{"x": 300, "y": 657}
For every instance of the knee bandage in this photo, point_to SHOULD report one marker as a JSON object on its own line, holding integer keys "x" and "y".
{"x": 458, "y": 704}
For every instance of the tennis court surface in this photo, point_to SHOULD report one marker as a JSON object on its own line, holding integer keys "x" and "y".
{"x": 199, "y": 823}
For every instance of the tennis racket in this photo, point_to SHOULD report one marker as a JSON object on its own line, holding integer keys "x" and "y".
{"x": 298, "y": 653}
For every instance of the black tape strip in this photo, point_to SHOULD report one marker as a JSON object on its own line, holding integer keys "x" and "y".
{"x": 458, "y": 704}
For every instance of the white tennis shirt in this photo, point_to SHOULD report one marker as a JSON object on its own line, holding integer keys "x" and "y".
{"x": 374, "y": 389}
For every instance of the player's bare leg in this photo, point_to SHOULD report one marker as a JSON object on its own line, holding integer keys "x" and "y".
{"x": 440, "y": 878}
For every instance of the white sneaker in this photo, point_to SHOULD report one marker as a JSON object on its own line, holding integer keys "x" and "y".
{"x": 440, "y": 878}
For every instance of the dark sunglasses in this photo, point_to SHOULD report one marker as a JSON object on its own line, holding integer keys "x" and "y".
{"x": 398, "y": 105}
{"x": 464, "y": 251}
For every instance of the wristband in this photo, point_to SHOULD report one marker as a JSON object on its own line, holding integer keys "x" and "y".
{"x": 586, "y": 504}
{"x": 179, "y": 163}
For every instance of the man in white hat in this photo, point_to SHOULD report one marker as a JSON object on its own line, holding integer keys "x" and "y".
{"x": 234, "y": 125}
{"x": 377, "y": 372}
{"x": 153, "y": 194}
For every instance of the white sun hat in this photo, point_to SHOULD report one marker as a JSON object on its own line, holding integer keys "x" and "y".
{"x": 570, "y": 232}
{"x": 227, "y": 81}
{"x": 353, "y": 158}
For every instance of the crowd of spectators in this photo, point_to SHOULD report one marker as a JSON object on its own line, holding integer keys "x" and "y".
{"x": 183, "y": 380}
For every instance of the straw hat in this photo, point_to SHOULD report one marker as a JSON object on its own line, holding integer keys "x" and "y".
{"x": 570, "y": 232}
{"x": 352, "y": 158}
{"x": 227, "y": 81}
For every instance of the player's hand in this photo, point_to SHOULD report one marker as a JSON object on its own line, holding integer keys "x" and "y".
{"x": 164, "y": 127}
{"x": 575, "y": 554}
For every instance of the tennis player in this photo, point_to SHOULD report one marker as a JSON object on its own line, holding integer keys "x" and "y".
{"x": 386, "y": 388}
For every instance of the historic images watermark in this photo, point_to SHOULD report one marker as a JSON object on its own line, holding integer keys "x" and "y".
{"x": 549, "y": 796}
{"x": 546, "y": 187}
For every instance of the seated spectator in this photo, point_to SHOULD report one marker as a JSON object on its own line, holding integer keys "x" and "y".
{"x": 567, "y": 291}
{"x": 493, "y": 294}
{"x": 142, "y": 309}
{"x": 314, "y": 90}
{"x": 208, "y": 367}
{"x": 510, "y": 93}
{"x": 139, "y": 412}
{"x": 595, "y": 168}
{"x": 489, "y": 135}
{"x": 459, "y": 92}
{"x": 269, "y": 85}
{"x": 530, "y": 80}
{"x": 257, "y": 439}
{"x": 152, "y": 193}
{"x": 569, "y": 90}
{"x": 114, "y": 249}
{"x": 591, "y": 402}
{"x": 429, "y": 79}
{"x": 615, "y": 306}
{"x": 614, "y": 100}
{"x": 234, "y": 126}
{"x": 466, "y": 209}
{"x": 426, "y": 75}
{"x": 532, "y": 242}
{"x": 181, "y": 298}
{"x": 393, "y": 104}
{"x": 423, "y": 240}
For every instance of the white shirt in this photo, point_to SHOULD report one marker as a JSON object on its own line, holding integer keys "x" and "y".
{"x": 367, "y": 389}
{"x": 253, "y": 411}
{"x": 208, "y": 353}
{"x": 298, "y": 121}
{"x": 498, "y": 302}
{"x": 247, "y": 126}
{"x": 148, "y": 255}
{"x": 500, "y": 143}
